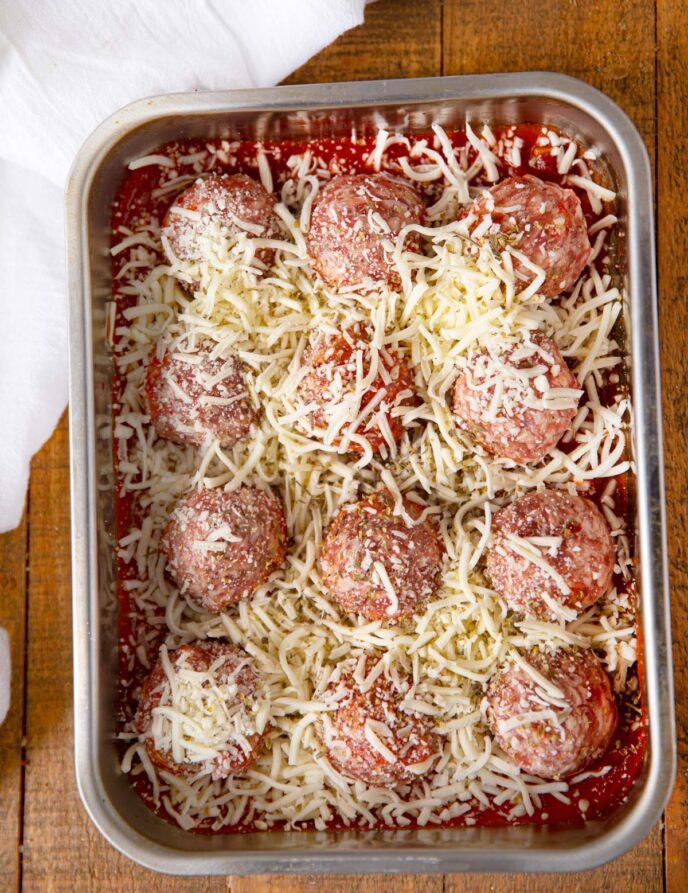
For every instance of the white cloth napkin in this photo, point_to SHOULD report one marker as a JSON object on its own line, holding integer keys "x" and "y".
{"x": 65, "y": 65}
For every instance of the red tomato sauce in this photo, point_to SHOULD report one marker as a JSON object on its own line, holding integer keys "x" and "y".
{"x": 137, "y": 204}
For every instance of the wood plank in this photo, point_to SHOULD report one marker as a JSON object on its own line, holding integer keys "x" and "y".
{"x": 672, "y": 183}
{"x": 639, "y": 871}
{"x": 63, "y": 852}
{"x": 399, "y": 39}
{"x": 610, "y": 45}
{"x": 12, "y": 618}
{"x": 343, "y": 883}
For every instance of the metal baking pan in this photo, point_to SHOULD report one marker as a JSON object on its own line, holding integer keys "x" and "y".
{"x": 322, "y": 111}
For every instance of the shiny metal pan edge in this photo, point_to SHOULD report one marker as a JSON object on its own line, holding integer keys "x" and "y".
{"x": 317, "y": 110}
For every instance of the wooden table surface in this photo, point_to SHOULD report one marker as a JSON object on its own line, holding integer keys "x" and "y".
{"x": 637, "y": 52}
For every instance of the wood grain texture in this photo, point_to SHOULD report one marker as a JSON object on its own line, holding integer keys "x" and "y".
{"x": 12, "y": 618}
{"x": 63, "y": 851}
{"x": 399, "y": 39}
{"x": 639, "y": 871}
{"x": 344, "y": 883}
{"x": 672, "y": 208}
{"x": 607, "y": 44}
{"x": 610, "y": 46}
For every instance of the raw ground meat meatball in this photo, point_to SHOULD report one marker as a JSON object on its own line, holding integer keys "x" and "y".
{"x": 216, "y": 688}
{"x": 406, "y": 743}
{"x": 569, "y": 535}
{"x": 352, "y": 219}
{"x": 517, "y": 397}
{"x": 192, "y": 397}
{"x": 375, "y": 564}
{"x": 236, "y": 203}
{"x": 542, "y": 221}
{"x": 556, "y": 719}
{"x": 335, "y": 364}
{"x": 221, "y": 546}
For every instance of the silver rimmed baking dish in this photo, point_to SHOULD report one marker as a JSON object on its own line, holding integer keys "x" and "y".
{"x": 322, "y": 111}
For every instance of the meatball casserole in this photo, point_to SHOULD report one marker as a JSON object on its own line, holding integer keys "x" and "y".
{"x": 370, "y": 430}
